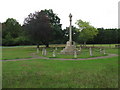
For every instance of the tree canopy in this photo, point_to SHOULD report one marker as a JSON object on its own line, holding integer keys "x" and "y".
{"x": 57, "y": 32}
{"x": 87, "y": 32}
{"x": 43, "y": 27}
{"x": 11, "y": 30}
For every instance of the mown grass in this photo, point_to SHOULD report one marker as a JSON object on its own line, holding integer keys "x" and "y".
{"x": 17, "y": 53}
{"x": 99, "y": 73}
{"x": 102, "y": 45}
{"x": 26, "y": 52}
{"x": 84, "y": 53}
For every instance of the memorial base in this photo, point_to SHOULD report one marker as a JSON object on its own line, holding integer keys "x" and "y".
{"x": 69, "y": 49}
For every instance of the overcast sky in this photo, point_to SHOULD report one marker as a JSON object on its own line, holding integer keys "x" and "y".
{"x": 100, "y": 13}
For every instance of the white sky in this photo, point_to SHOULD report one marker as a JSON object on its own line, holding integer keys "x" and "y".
{"x": 100, "y": 13}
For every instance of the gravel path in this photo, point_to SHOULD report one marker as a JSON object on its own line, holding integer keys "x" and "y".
{"x": 38, "y": 57}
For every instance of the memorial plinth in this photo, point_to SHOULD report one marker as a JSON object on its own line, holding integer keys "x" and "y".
{"x": 70, "y": 47}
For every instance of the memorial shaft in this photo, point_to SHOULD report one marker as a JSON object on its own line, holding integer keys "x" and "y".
{"x": 70, "y": 31}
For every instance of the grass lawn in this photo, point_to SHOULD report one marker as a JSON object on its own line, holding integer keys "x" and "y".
{"x": 102, "y": 45}
{"x": 99, "y": 73}
{"x": 26, "y": 52}
{"x": 83, "y": 54}
{"x": 16, "y": 53}
{"x": 39, "y": 73}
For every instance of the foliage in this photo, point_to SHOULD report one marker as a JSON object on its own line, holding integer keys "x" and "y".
{"x": 107, "y": 36}
{"x": 75, "y": 34}
{"x": 47, "y": 30}
{"x": 38, "y": 28}
{"x": 11, "y": 30}
{"x": 57, "y": 33}
{"x": 87, "y": 31}
{"x": 43, "y": 27}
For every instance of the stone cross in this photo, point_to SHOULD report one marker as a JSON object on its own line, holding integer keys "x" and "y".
{"x": 70, "y": 31}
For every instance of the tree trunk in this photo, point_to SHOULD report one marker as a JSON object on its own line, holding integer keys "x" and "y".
{"x": 47, "y": 45}
{"x": 93, "y": 45}
{"x": 84, "y": 43}
{"x": 37, "y": 46}
{"x": 109, "y": 45}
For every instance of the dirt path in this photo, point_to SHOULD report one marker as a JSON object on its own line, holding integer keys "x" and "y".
{"x": 38, "y": 57}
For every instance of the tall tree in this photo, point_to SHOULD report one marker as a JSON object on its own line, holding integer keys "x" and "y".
{"x": 10, "y": 31}
{"x": 38, "y": 28}
{"x": 56, "y": 26}
{"x": 44, "y": 27}
{"x": 87, "y": 31}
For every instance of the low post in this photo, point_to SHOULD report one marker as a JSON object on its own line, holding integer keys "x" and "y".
{"x": 75, "y": 54}
{"x": 80, "y": 48}
{"x": 37, "y": 50}
{"x": 55, "y": 48}
{"x": 91, "y": 51}
{"x": 54, "y": 54}
{"x": 43, "y": 51}
{"x": 104, "y": 52}
{"x": 100, "y": 50}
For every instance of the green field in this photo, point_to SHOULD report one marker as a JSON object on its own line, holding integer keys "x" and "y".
{"x": 101, "y": 73}
{"x": 83, "y": 54}
{"x": 40, "y": 73}
{"x": 17, "y": 53}
{"x": 26, "y": 52}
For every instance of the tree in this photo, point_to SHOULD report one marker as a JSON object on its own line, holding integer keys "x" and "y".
{"x": 106, "y": 36}
{"x": 43, "y": 27}
{"x": 38, "y": 28}
{"x": 56, "y": 26}
{"x": 11, "y": 30}
{"x": 87, "y": 31}
{"x": 99, "y": 38}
